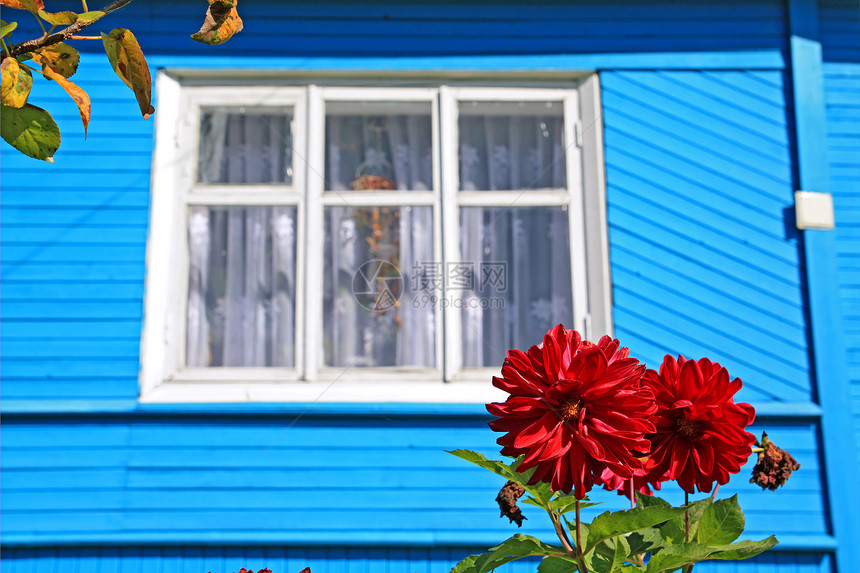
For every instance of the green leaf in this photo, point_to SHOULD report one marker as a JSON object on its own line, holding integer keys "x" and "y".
{"x": 609, "y": 524}
{"x": 31, "y": 130}
{"x": 58, "y": 18}
{"x": 643, "y": 500}
{"x": 128, "y": 62}
{"x": 566, "y": 502}
{"x": 558, "y": 564}
{"x": 90, "y": 16}
{"x": 645, "y": 540}
{"x": 743, "y": 549}
{"x": 516, "y": 547}
{"x": 467, "y": 565}
{"x": 676, "y": 556}
{"x": 222, "y": 21}
{"x": 722, "y": 522}
{"x": 608, "y": 555}
{"x": 6, "y": 28}
{"x": 541, "y": 491}
{"x": 17, "y": 82}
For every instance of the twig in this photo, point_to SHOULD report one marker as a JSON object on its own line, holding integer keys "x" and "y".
{"x": 559, "y": 530}
{"x": 64, "y": 34}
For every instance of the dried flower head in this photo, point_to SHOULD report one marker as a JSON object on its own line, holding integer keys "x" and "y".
{"x": 507, "y": 500}
{"x": 774, "y": 465}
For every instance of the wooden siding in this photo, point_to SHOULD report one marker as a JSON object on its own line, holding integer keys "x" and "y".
{"x": 244, "y": 479}
{"x": 293, "y": 560}
{"x": 840, "y": 39}
{"x": 699, "y": 179}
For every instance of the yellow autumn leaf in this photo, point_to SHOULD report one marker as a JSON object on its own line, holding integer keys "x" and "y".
{"x": 128, "y": 62}
{"x": 31, "y": 5}
{"x": 221, "y": 23}
{"x": 79, "y": 95}
{"x": 17, "y": 82}
{"x": 60, "y": 57}
{"x": 58, "y": 18}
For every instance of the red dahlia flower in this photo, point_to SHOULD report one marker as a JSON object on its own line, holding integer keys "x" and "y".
{"x": 700, "y": 436}
{"x": 575, "y": 409}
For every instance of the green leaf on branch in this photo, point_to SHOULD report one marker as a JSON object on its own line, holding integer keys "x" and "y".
{"x": 743, "y": 549}
{"x": 90, "y": 16}
{"x": 221, "y": 23}
{"x": 645, "y": 540}
{"x": 564, "y": 503}
{"x": 60, "y": 57}
{"x": 516, "y": 547}
{"x": 608, "y": 524}
{"x": 128, "y": 62}
{"x": 59, "y": 18}
{"x": 31, "y": 130}
{"x": 17, "y": 82}
{"x": 676, "y": 556}
{"x": 541, "y": 491}
{"x": 7, "y": 28}
{"x": 467, "y": 565}
{"x": 643, "y": 500}
{"x": 80, "y": 96}
{"x": 558, "y": 564}
{"x": 722, "y": 522}
{"x": 608, "y": 556}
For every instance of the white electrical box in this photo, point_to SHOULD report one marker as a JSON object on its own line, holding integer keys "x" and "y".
{"x": 813, "y": 210}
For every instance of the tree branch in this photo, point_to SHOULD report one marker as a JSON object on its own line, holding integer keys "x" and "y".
{"x": 57, "y": 37}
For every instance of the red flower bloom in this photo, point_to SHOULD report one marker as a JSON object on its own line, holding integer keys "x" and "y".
{"x": 575, "y": 409}
{"x": 700, "y": 436}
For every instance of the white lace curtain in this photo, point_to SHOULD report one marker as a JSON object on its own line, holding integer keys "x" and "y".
{"x": 242, "y": 260}
{"x": 399, "y": 335}
{"x": 510, "y": 153}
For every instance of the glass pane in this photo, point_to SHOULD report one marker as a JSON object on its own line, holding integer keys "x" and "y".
{"x": 245, "y": 145}
{"x": 511, "y": 145}
{"x": 376, "y": 310}
{"x": 241, "y": 286}
{"x": 378, "y": 146}
{"x": 515, "y": 281}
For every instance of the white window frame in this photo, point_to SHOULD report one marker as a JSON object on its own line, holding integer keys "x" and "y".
{"x": 174, "y": 190}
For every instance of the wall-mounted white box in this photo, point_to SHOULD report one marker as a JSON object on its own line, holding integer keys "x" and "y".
{"x": 813, "y": 210}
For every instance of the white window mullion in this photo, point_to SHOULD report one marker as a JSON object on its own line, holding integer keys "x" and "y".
{"x": 450, "y": 224}
{"x": 578, "y": 267}
{"x": 315, "y": 236}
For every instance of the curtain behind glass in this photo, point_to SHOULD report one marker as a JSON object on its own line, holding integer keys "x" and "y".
{"x": 245, "y": 146}
{"x": 522, "y": 282}
{"x": 367, "y": 329}
{"x": 242, "y": 260}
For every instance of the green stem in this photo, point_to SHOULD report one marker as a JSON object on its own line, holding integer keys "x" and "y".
{"x": 559, "y": 530}
{"x": 579, "y": 558}
{"x": 687, "y": 568}
{"x": 42, "y": 26}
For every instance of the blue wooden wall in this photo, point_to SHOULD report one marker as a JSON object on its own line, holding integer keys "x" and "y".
{"x": 840, "y": 30}
{"x": 700, "y": 164}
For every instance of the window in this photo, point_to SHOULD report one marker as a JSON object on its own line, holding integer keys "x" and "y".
{"x": 355, "y": 243}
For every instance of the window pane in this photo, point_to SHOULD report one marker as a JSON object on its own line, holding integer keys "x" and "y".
{"x": 511, "y": 145}
{"x": 520, "y": 284}
{"x": 378, "y": 145}
{"x": 241, "y": 286}
{"x": 245, "y": 145}
{"x": 375, "y": 312}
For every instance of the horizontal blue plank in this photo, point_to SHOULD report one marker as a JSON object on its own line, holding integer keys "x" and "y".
{"x": 51, "y": 310}
{"x": 67, "y": 369}
{"x": 63, "y": 217}
{"x": 91, "y": 271}
{"x": 69, "y": 291}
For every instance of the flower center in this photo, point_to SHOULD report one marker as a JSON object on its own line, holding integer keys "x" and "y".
{"x": 570, "y": 409}
{"x": 688, "y": 428}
